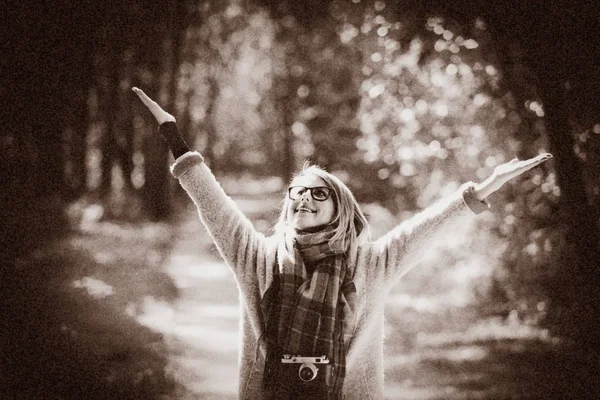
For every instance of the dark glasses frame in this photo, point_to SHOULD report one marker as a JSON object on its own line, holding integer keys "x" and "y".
{"x": 301, "y": 189}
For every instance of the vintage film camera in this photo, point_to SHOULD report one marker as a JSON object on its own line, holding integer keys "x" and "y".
{"x": 307, "y": 369}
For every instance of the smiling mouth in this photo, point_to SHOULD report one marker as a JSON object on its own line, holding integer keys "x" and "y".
{"x": 304, "y": 209}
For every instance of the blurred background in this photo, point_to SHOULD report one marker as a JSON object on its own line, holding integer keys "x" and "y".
{"x": 110, "y": 287}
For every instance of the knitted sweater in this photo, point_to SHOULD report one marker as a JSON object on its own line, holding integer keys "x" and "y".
{"x": 253, "y": 258}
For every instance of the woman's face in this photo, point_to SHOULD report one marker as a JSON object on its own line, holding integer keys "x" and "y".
{"x": 305, "y": 212}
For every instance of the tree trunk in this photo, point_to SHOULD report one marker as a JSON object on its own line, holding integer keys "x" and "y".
{"x": 49, "y": 175}
{"x": 285, "y": 94}
{"x": 127, "y": 128}
{"x": 125, "y": 142}
{"x": 78, "y": 147}
{"x": 289, "y": 162}
{"x": 575, "y": 291}
{"x": 111, "y": 106}
{"x": 209, "y": 126}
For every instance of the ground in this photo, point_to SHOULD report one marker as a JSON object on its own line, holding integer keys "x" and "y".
{"x": 150, "y": 311}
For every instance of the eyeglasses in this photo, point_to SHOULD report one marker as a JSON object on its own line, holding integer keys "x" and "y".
{"x": 318, "y": 193}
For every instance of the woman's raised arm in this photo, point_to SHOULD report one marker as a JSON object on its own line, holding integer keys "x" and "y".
{"x": 237, "y": 240}
{"x": 400, "y": 249}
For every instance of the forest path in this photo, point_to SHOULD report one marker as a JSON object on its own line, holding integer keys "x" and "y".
{"x": 201, "y": 325}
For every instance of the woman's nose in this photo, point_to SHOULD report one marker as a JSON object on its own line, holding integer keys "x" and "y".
{"x": 306, "y": 196}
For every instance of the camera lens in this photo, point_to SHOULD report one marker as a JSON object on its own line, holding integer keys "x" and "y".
{"x": 307, "y": 372}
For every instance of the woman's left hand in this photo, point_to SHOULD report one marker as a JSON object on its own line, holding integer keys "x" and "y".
{"x": 505, "y": 172}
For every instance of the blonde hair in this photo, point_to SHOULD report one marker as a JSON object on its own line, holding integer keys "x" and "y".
{"x": 349, "y": 223}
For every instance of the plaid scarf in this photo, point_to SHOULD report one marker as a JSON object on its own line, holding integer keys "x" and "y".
{"x": 311, "y": 315}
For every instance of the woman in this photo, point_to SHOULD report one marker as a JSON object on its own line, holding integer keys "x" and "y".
{"x": 313, "y": 293}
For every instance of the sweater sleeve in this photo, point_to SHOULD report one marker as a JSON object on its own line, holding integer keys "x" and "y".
{"x": 399, "y": 250}
{"x": 235, "y": 237}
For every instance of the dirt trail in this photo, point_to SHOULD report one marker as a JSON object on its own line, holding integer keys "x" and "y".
{"x": 200, "y": 326}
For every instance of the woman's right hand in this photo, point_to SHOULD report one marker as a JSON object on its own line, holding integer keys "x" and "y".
{"x": 161, "y": 115}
